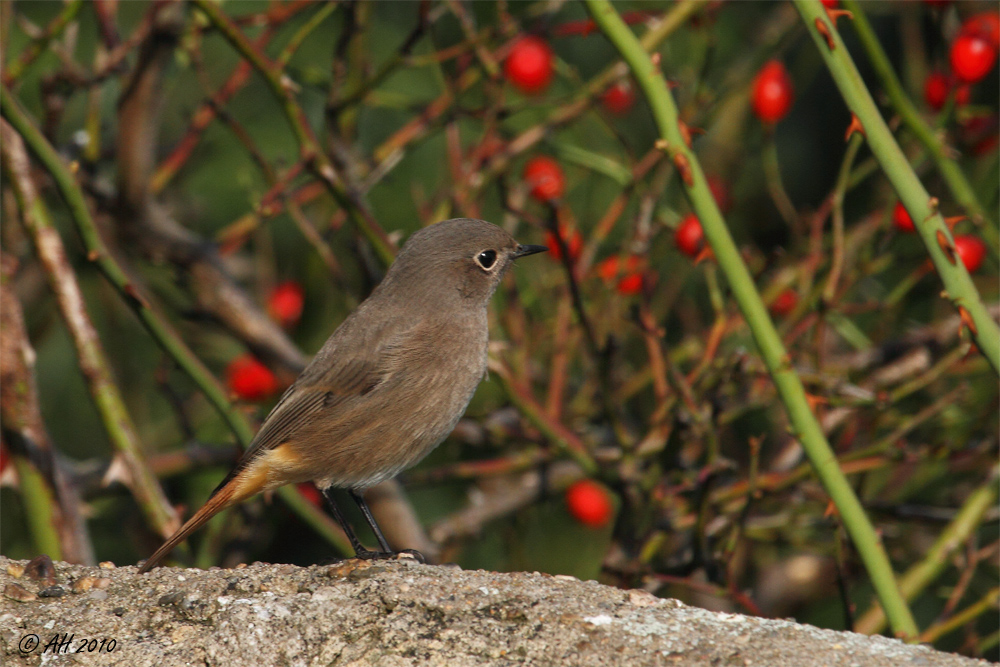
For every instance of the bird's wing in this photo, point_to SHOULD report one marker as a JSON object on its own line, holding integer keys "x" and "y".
{"x": 312, "y": 392}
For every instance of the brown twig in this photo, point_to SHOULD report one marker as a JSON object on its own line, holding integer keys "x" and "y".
{"x": 556, "y": 431}
{"x": 155, "y": 231}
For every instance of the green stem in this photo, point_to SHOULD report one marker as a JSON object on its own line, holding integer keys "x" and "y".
{"x": 986, "y": 603}
{"x": 935, "y": 234}
{"x": 959, "y": 185}
{"x": 921, "y": 575}
{"x": 839, "y": 190}
{"x": 316, "y": 518}
{"x": 40, "y": 508}
{"x": 988, "y": 642}
{"x": 776, "y": 187}
{"x": 302, "y": 33}
{"x": 904, "y": 286}
{"x": 564, "y": 439}
{"x": 804, "y": 423}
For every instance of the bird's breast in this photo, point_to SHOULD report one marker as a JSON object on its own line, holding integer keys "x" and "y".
{"x": 429, "y": 378}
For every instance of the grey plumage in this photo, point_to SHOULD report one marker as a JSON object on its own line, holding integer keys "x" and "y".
{"x": 390, "y": 383}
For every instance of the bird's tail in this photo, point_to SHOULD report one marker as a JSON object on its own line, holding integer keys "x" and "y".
{"x": 228, "y": 494}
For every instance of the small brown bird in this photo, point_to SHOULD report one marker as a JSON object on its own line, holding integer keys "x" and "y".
{"x": 388, "y": 386}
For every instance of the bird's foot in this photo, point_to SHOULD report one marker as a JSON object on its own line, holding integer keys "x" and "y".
{"x": 366, "y": 554}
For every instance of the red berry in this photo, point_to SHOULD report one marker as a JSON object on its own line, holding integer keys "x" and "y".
{"x": 901, "y": 218}
{"x": 611, "y": 267}
{"x": 545, "y": 177}
{"x": 985, "y": 25}
{"x": 571, "y": 238}
{"x": 631, "y": 282}
{"x": 608, "y": 268}
{"x": 630, "y": 285}
{"x": 311, "y": 493}
{"x": 589, "y": 503}
{"x": 249, "y": 379}
{"x": 285, "y": 303}
{"x": 829, "y": 4}
{"x": 619, "y": 98}
{"x": 773, "y": 92}
{"x": 971, "y": 250}
{"x": 720, "y": 193}
{"x": 785, "y": 302}
{"x": 936, "y": 89}
{"x": 689, "y": 237}
{"x": 529, "y": 65}
{"x": 972, "y": 57}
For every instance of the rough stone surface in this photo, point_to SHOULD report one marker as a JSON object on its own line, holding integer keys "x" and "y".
{"x": 399, "y": 613}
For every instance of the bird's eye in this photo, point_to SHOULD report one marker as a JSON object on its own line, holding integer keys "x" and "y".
{"x": 487, "y": 259}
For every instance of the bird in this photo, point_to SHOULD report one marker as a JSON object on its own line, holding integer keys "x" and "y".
{"x": 389, "y": 384}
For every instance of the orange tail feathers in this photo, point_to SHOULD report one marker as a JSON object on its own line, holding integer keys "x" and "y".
{"x": 229, "y": 494}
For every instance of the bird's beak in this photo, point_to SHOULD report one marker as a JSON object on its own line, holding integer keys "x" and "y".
{"x": 525, "y": 250}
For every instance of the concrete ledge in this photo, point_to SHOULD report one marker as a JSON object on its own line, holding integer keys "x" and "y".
{"x": 395, "y": 613}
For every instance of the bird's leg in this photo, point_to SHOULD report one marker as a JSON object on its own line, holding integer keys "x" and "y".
{"x": 363, "y": 506}
{"x": 388, "y": 552}
{"x": 359, "y": 550}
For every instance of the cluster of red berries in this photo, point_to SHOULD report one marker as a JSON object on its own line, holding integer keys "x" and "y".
{"x": 571, "y": 238}
{"x": 530, "y": 65}
{"x": 970, "y": 248}
{"x": 626, "y": 275}
{"x": 972, "y": 55}
{"x": 246, "y": 376}
{"x": 937, "y": 87}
